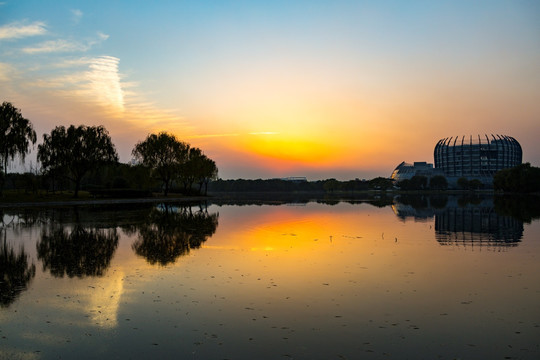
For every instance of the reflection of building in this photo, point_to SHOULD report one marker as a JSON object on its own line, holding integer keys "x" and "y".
{"x": 477, "y": 226}
{"x": 462, "y": 223}
{"x": 405, "y": 171}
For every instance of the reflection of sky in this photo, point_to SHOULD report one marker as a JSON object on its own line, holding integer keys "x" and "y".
{"x": 306, "y": 281}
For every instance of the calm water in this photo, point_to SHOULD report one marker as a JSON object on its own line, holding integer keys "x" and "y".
{"x": 418, "y": 278}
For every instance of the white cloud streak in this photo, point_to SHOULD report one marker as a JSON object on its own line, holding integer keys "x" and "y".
{"x": 16, "y": 30}
{"x": 104, "y": 81}
{"x": 212, "y": 136}
{"x": 57, "y": 46}
{"x": 54, "y": 46}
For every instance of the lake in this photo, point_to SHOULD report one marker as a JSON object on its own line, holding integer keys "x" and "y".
{"x": 386, "y": 278}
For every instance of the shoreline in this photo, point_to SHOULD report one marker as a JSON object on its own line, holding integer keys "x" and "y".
{"x": 236, "y": 196}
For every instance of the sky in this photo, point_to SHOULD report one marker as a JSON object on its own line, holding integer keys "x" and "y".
{"x": 322, "y": 89}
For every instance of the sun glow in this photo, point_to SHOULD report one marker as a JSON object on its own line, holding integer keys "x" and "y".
{"x": 289, "y": 148}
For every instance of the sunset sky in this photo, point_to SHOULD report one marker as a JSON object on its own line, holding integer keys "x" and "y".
{"x": 344, "y": 89}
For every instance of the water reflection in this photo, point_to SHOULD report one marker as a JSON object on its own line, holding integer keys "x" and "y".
{"x": 171, "y": 231}
{"x": 79, "y": 251}
{"x": 463, "y": 221}
{"x": 16, "y": 272}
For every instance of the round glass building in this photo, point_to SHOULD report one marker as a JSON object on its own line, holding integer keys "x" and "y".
{"x": 476, "y": 156}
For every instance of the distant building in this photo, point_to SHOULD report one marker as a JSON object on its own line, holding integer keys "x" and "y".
{"x": 406, "y": 171}
{"x": 478, "y": 157}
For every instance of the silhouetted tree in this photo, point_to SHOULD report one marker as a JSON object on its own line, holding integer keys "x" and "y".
{"x": 475, "y": 184}
{"x": 187, "y": 173}
{"x": 16, "y": 134}
{"x": 438, "y": 182}
{"x": 463, "y": 183}
{"x": 77, "y": 252}
{"x": 206, "y": 170}
{"x": 331, "y": 185}
{"x": 76, "y": 151}
{"x": 522, "y": 178}
{"x": 381, "y": 183}
{"x": 164, "y": 154}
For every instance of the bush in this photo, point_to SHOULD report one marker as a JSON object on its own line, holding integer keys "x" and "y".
{"x": 523, "y": 178}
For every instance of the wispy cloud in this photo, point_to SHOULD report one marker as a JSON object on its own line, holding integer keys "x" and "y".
{"x": 57, "y": 46}
{"x": 54, "y": 46}
{"x": 5, "y": 71}
{"x": 264, "y": 133}
{"x": 17, "y": 30}
{"x": 76, "y": 15}
{"x": 104, "y": 81}
{"x": 203, "y": 136}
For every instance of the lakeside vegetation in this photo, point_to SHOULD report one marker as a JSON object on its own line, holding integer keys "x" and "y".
{"x": 84, "y": 157}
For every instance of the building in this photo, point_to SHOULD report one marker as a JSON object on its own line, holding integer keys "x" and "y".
{"x": 475, "y": 157}
{"x": 406, "y": 171}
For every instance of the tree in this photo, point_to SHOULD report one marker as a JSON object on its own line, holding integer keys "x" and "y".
{"x": 521, "y": 178}
{"x": 16, "y": 133}
{"x": 164, "y": 154}
{"x": 463, "y": 183}
{"x": 188, "y": 171}
{"x": 76, "y": 151}
{"x": 206, "y": 171}
{"x": 438, "y": 182}
{"x": 381, "y": 183}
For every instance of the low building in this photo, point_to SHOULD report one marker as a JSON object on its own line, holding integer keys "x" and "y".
{"x": 406, "y": 171}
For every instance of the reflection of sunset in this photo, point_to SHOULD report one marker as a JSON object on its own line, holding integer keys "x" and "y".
{"x": 295, "y": 230}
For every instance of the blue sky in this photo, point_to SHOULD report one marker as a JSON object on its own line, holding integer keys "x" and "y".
{"x": 312, "y": 88}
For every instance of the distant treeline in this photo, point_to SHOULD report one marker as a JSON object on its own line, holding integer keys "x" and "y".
{"x": 279, "y": 185}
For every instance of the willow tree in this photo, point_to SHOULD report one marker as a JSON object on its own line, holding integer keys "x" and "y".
{"x": 16, "y": 134}
{"x": 75, "y": 151}
{"x": 164, "y": 154}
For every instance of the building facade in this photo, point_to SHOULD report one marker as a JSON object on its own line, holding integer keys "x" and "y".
{"x": 476, "y": 157}
{"x": 406, "y": 171}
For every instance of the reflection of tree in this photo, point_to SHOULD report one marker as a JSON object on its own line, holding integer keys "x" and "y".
{"x": 522, "y": 208}
{"x": 79, "y": 252}
{"x": 171, "y": 232}
{"x": 15, "y": 273}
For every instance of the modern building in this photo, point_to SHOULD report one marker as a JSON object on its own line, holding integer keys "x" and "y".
{"x": 476, "y": 157}
{"x": 406, "y": 171}
{"x": 472, "y": 157}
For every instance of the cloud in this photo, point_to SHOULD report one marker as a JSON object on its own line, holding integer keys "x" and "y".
{"x": 212, "y": 136}
{"x": 76, "y": 15}
{"x": 102, "y": 36}
{"x": 57, "y": 46}
{"x": 16, "y": 30}
{"x": 264, "y": 133}
{"x": 54, "y": 46}
{"x": 104, "y": 81}
{"x": 5, "y": 71}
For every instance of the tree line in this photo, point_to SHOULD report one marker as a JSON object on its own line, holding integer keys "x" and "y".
{"x": 78, "y": 153}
